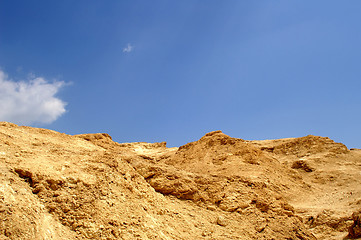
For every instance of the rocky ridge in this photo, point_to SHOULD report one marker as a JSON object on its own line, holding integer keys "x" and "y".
{"x": 57, "y": 186}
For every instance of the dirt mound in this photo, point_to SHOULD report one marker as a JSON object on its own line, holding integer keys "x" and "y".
{"x": 57, "y": 186}
{"x": 215, "y": 149}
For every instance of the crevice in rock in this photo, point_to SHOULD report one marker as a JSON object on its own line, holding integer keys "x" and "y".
{"x": 26, "y": 175}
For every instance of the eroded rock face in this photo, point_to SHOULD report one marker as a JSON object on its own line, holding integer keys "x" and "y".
{"x": 309, "y": 145}
{"x": 22, "y": 215}
{"x": 355, "y": 229}
{"x": 228, "y": 174}
{"x": 56, "y": 186}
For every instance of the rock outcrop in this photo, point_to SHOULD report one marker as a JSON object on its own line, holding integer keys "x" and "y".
{"x": 57, "y": 186}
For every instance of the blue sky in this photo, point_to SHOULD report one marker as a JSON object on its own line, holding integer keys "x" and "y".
{"x": 175, "y": 70}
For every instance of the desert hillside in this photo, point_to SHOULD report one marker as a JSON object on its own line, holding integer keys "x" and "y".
{"x": 58, "y": 186}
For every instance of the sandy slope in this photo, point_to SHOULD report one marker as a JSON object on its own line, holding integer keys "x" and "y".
{"x": 57, "y": 186}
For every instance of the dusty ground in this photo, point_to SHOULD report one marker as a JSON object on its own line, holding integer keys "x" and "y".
{"x": 57, "y": 186}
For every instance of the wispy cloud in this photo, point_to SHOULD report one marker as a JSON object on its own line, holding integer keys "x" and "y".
{"x": 31, "y": 101}
{"x": 128, "y": 48}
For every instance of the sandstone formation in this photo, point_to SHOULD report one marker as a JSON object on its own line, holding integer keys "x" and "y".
{"x": 58, "y": 186}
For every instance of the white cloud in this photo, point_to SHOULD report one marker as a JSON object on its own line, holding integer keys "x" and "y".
{"x": 129, "y": 48}
{"x": 31, "y": 101}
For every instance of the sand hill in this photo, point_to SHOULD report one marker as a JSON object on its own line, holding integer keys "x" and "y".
{"x": 58, "y": 186}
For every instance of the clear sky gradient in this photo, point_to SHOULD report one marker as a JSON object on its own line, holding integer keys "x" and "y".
{"x": 174, "y": 70}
